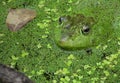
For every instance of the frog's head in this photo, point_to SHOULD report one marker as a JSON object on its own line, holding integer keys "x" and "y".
{"x": 75, "y": 25}
{"x": 76, "y": 32}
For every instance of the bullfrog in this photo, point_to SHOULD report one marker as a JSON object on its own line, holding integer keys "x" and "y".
{"x": 79, "y": 31}
{"x": 84, "y": 30}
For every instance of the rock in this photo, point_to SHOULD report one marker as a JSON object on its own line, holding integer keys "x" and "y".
{"x": 17, "y": 18}
{"x": 10, "y": 75}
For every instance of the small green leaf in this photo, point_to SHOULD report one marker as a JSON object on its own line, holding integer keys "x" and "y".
{"x": 13, "y": 64}
{"x": 118, "y": 42}
{"x": 33, "y": 72}
{"x": 39, "y": 45}
{"x": 54, "y": 10}
{"x": 115, "y": 75}
{"x": 3, "y": 2}
{"x": 70, "y": 1}
{"x": 54, "y": 81}
{"x": 1, "y": 42}
{"x": 67, "y": 78}
{"x": 69, "y": 63}
{"x": 10, "y": 1}
{"x": 65, "y": 71}
{"x": 1, "y": 35}
{"x": 62, "y": 79}
{"x": 24, "y": 54}
{"x": 42, "y": 25}
{"x": 47, "y": 32}
{"x": 75, "y": 75}
{"x": 97, "y": 47}
{"x": 71, "y": 56}
{"x": 78, "y": 70}
{"x": 47, "y": 9}
{"x": 44, "y": 36}
{"x": 41, "y": 4}
{"x": 76, "y": 81}
{"x": 94, "y": 79}
{"x": 86, "y": 66}
{"x": 106, "y": 62}
{"x": 49, "y": 46}
{"x": 106, "y": 73}
{"x": 40, "y": 72}
{"x": 14, "y": 57}
{"x": 104, "y": 47}
{"x": 59, "y": 72}
{"x": 24, "y": 69}
{"x": 89, "y": 72}
{"x": 80, "y": 77}
{"x": 70, "y": 9}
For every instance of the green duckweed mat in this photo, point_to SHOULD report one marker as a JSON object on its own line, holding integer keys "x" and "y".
{"x": 32, "y": 49}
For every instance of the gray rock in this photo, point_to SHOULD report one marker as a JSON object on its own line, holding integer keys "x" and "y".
{"x": 10, "y": 75}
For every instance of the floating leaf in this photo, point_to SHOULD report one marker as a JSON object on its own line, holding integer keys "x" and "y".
{"x": 39, "y": 45}
{"x": 44, "y": 36}
{"x": 49, "y": 46}
{"x": 65, "y": 71}
{"x": 71, "y": 56}
{"x": 14, "y": 57}
{"x": 40, "y": 72}
{"x": 106, "y": 73}
{"x": 24, "y": 54}
{"x": 69, "y": 63}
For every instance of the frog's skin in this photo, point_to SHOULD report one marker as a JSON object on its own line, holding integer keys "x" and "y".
{"x": 78, "y": 31}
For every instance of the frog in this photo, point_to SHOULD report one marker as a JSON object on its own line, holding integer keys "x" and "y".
{"x": 90, "y": 27}
{"x": 79, "y": 32}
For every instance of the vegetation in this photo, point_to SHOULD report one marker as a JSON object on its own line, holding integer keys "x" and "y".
{"x": 32, "y": 49}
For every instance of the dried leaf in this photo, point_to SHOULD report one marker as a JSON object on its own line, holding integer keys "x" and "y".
{"x": 17, "y": 18}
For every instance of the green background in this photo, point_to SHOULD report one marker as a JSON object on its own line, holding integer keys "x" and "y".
{"x": 32, "y": 49}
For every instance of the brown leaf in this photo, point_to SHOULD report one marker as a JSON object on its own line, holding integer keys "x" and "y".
{"x": 17, "y": 18}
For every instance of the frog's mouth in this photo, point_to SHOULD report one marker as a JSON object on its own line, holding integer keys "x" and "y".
{"x": 64, "y": 38}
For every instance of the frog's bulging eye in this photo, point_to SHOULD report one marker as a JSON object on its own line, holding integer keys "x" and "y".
{"x": 61, "y": 19}
{"x": 85, "y": 29}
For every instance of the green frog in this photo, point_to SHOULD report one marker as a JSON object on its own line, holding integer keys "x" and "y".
{"x": 78, "y": 31}
{"x": 81, "y": 31}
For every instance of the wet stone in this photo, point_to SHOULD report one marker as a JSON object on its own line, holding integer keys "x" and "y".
{"x": 10, "y": 75}
{"x": 17, "y": 18}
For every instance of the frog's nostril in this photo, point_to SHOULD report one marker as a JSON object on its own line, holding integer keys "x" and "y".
{"x": 85, "y": 29}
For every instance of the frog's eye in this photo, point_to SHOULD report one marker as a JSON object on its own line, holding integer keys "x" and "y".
{"x": 61, "y": 19}
{"x": 85, "y": 29}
